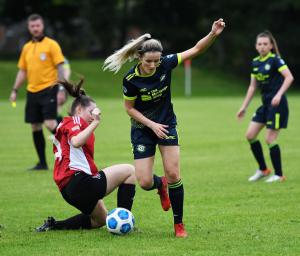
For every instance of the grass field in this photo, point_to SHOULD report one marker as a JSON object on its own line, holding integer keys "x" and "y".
{"x": 105, "y": 84}
{"x": 224, "y": 214}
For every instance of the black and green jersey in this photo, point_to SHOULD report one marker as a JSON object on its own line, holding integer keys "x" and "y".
{"x": 152, "y": 93}
{"x": 267, "y": 72}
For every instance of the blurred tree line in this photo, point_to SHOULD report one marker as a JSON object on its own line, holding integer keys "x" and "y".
{"x": 95, "y": 28}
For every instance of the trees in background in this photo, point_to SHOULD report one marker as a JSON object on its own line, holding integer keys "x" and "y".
{"x": 95, "y": 28}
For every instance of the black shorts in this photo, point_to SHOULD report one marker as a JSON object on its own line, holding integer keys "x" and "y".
{"x": 41, "y": 105}
{"x": 273, "y": 117}
{"x": 144, "y": 141}
{"x": 83, "y": 191}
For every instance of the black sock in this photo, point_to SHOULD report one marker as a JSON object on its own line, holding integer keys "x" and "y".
{"x": 126, "y": 194}
{"x": 157, "y": 183}
{"x": 76, "y": 222}
{"x": 59, "y": 118}
{"x": 53, "y": 131}
{"x": 276, "y": 158}
{"x": 257, "y": 151}
{"x": 40, "y": 145}
{"x": 176, "y": 194}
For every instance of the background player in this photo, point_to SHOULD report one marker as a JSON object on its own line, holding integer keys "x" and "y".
{"x": 273, "y": 77}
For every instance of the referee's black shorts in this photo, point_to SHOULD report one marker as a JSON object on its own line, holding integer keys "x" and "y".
{"x": 83, "y": 191}
{"x": 41, "y": 105}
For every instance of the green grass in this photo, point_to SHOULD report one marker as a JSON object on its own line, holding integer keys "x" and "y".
{"x": 105, "y": 84}
{"x": 224, "y": 214}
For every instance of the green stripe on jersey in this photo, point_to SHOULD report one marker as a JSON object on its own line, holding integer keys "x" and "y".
{"x": 129, "y": 98}
{"x": 284, "y": 67}
{"x": 179, "y": 58}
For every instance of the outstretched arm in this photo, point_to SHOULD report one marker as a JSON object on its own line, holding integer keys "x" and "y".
{"x": 217, "y": 28}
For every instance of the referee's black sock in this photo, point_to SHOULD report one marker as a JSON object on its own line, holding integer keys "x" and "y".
{"x": 176, "y": 194}
{"x": 59, "y": 118}
{"x": 76, "y": 222}
{"x": 54, "y": 130}
{"x": 157, "y": 183}
{"x": 276, "y": 158}
{"x": 257, "y": 151}
{"x": 40, "y": 145}
{"x": 126, "y": 194}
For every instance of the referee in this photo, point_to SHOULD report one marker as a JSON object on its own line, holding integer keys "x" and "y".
{"x": 41, "y": 63}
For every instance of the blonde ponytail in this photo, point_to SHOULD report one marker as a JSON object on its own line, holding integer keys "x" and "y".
{"x": 128, "y": 52}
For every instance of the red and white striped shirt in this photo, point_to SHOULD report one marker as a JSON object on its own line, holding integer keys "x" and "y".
{"x": 69, "y": 159}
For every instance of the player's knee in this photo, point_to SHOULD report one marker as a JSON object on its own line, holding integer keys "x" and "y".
{"x": 172, "y": 169}
{"x": 145, "y": 183}
{"x": 36, "y": 127}
{"x": 173, "y": 176}
{"x": 50, "y": 124}
{"x": 269, "y": 141}
{"x": 249, "y": 136}
{"x": 130, "y": 170}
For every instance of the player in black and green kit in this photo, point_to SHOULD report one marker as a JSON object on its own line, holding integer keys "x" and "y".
{"x": 272, "y": 76}
{"x": 147, "y": 95}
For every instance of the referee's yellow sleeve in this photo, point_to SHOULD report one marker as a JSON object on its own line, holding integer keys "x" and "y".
{"x": 22, "y": 61}
{"x": 57, "y": 53}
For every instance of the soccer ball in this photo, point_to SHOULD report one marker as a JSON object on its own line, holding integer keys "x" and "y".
{"x": 120, "y": 221}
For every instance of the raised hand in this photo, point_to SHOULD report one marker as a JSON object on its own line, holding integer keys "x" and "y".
{"x": 96, "y": 113}
{"x": 218, "y": 26}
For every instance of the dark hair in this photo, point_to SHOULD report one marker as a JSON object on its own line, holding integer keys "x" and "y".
{"x": 269, "y": 35}
{"x": 78, "y": 93}
{"x": 34, "y": 17}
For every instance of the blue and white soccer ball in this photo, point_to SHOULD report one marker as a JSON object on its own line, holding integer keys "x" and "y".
{"x": 120, "y": 221}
